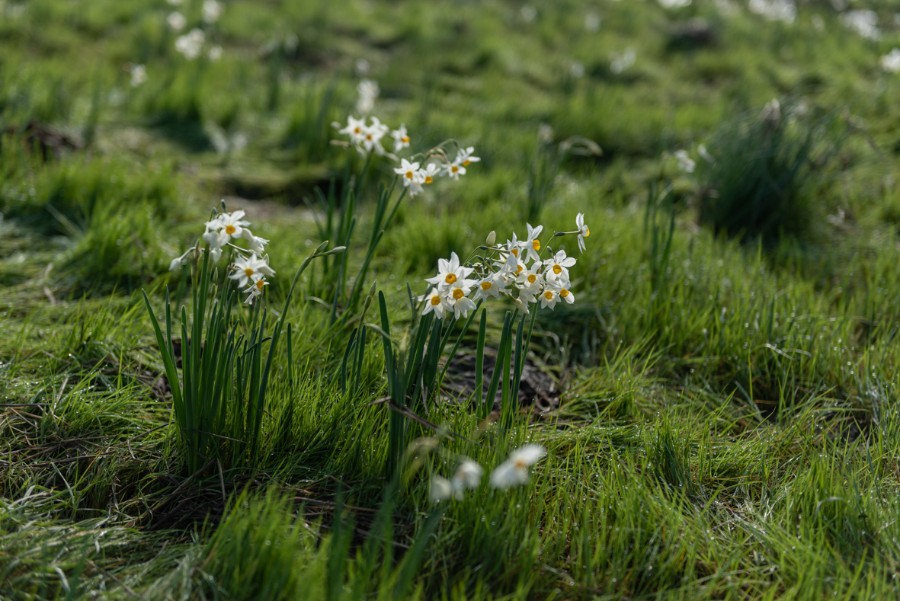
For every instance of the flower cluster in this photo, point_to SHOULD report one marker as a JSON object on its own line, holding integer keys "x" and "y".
{"x": 250, "y": 267}
{"x": 510, "y": 473}
{"x": 515, "y": 269}
{"x": 191, "y": 44}
{"x": 368, "y": 136}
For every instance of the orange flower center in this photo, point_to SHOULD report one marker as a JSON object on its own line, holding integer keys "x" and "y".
{"x": 230, "y": 229}
{"x": 260, "y": 283}
{"x": 405, "y": 139}
{"x": 451, "y": 278}
{"x": 454, "y": 168}
{"x": 519, "y": 268}
{"x": 428, "y": 179}
{"x": 458, "y": 293}
{"x": 536, "y": 245}
{"x": 587, "y": 231}
{"x": 435, "y": 300}
{"x": 466, "y": 163}
{"x": 532, "y": 278}
{"x": 548, "y": 295}
{"x": 564, "y": 293}
{"x": 486, "y": 285}
{"x": 248, "y": 271}
{"x": 515, "y": 252}
{"x": 409, "y": 175}
{"x": 557, "y": 269}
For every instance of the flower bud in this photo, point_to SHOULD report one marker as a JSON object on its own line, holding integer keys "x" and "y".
{"x": 491, "y": 238}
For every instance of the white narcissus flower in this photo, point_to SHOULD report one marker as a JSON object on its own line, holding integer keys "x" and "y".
{"x": 450, "y": 272}
{"x": 685, "y": 162}
{"x": 232, "y": 223}
{"x": 429, "y": 172}
{"x": 531, "y": 280}
{"x": 401, "y": 138}
{"x": 255, "y": 290}
{"x": 411, "y": 176}
{"x": 440, "y": 490}
{"x": 467, "y": 476}
{"x": 532, "y": 245}
{"x": 138, "y": 75}
{"x": 558, "y": 268}
{"x": 454, "y": 170}
{"x": 191, "y": 43}
{"x": 514, "y": 471}
{"x": 465, "y": 157}
{"x": 583, "y": 230}
{"x": 490, "y": 287}
{"x": 435, "y": 301}
{"x": 354, "y": 129}
{"x": 372, "y": 135}
{"x": 458, "y": 298}
{"x": 246, "y": 269}
{"x": 549, "y": 298}
{"x": 566, "y": 295}
{"x": 256, "y": 243}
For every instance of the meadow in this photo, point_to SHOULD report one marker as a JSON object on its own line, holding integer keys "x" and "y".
{"x": 657, "y": 356}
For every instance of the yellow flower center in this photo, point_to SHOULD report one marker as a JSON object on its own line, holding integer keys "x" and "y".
{"x": 587, "y": 231}
{"x": 458, "y": 293}
{"x": 249, "y": 271}
{"x": 548, "y": 295}
{"x": 428, "y": 179}
{"x": 466, "y": 163}
{"x": 409, "y": 175}
{"x": 531, "y": 278}
{"x": 451, "y": 278}
{"x": 519, "y": 269}
{"x": 536, "y": 244}
{"x": 486, "y": 285}
{"x": 260, "y": 283}
{"x": 435, "y": 300}
{"x": 405, "y": 139}
{"x": 454, "y": 168}
{"x": 357, "y": 129}
{"x": 557, "y": 269}
{"x": 369, "y": 137}
{"x": 564, "y": 293}
{"x": 230, "y": 229}
{"x": 515, "y": 252}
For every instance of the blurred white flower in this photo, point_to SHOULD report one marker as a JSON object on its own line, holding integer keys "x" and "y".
{"x": 674, "y": 3}
{"x": 467, "y": 476}
{"x": 176, "y": 21}
{"x": 138, "y": 75}
{"x": 367, "y": 92}
{"x": 775, "y": 10}
{"x": 528, "y": 13}
{"x": 622, "y": 61}
{"x": 190, "y": 44}
{"x": 514, "y": 471}
{"x": 212, "y": 10}
{"x": 685, "y": 162}
{"x": 583, "y": 230}
{"x": 401, "y": 138}
{"x": 214, "y": 53}
{"x": 863, "y": 22}
{"x": 440, "y": 490}
{"x": 890, "y": 62}
{"x": 592, "y": 22}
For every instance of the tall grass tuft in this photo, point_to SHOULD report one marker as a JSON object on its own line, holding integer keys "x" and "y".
{"x": 765, "y": 171}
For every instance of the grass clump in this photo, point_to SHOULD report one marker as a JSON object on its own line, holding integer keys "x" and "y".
{"x": 765, "y": 171}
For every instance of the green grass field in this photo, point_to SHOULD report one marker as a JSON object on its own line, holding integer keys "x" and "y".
{"x": 719, "y": 406}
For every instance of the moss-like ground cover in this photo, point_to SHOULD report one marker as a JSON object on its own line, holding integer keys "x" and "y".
{"x": 719, "y": 407}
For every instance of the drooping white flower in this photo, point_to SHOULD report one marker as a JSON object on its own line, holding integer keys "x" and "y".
{"x": 583, "y": 230}
{"x": 246, "y": 269}
{"x": 257, "y": 244}
{"x": 514, "y": 471}
{"x": 566, "y": 295}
